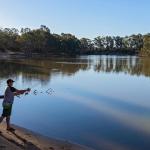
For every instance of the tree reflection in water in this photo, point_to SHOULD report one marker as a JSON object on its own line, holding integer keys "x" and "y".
{"x": 44, "y": 69}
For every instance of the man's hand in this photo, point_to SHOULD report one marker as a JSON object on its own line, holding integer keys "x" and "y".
{"x": 28, "y": 89}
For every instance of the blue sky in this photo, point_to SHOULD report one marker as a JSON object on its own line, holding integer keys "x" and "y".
{"x": 84, "y": 18}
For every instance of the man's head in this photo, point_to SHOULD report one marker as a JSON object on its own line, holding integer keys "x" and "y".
{"x": 10, "y": 82}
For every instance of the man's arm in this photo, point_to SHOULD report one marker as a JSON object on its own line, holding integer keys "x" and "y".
{"x": 19, "y": 92}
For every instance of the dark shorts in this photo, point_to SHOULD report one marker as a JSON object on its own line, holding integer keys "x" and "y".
{"x": 7, "y": 110}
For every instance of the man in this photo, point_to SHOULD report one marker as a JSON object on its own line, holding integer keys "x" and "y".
{"x": 10, "y": 92}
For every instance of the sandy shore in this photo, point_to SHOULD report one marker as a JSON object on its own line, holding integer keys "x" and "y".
{"x": 23, "y": 139}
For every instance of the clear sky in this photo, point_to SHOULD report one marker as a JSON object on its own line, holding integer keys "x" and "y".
{"x": 84, "y": 18}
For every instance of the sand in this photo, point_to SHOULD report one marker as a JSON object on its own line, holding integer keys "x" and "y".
{"x": 23, "y": 139}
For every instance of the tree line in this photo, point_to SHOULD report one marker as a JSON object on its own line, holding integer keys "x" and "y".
{"x": 41, "y": 40}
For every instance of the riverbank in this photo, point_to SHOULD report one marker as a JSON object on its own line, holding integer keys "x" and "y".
{"x": 15, "y": 55}
{"x": 23, "y": 139}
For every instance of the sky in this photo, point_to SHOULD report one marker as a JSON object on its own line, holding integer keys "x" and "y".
{"x": 83, "y": 18}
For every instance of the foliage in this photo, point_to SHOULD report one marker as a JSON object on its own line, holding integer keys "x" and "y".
{"x": 146, "y": 45}
{"x": 42, "y": 41}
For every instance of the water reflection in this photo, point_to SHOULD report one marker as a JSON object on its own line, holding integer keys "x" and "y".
{"x": 43, "y": 69}
{"x": 130, "y": 65}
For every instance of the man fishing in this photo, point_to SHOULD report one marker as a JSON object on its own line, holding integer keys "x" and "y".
{"x": 10, "y": 92}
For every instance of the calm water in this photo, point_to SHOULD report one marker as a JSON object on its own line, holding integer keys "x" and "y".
{"x": 99, "y": 101}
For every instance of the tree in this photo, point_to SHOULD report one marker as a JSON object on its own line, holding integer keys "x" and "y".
{"x": 146, "y": 47}
{"x": 86, "y": 44}
{"x": 118, "y": 42}
{"x": 69, "y": 43}
{"x": 98, "y": 42}
{"x": 8, "y": 38}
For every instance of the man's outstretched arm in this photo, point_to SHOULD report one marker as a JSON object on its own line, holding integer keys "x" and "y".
{"x": 20, "y": 92}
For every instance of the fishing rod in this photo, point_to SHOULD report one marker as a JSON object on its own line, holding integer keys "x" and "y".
{"x": 28, "y": 90}
{"x": 1, "y": 96}
{"x": 49, "y": 91}
{"x": 35, "y": 92}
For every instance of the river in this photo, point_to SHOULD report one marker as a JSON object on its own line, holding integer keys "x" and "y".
{"x": 99, "y": 101}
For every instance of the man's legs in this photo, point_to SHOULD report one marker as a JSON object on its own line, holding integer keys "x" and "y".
{"x": 7, "y": 113}
{"x": 1, "y": 118}
{"x": 8, "y": 122}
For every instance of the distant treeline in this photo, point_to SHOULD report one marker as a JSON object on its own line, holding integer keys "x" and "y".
{"x": 41, "y": 40}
